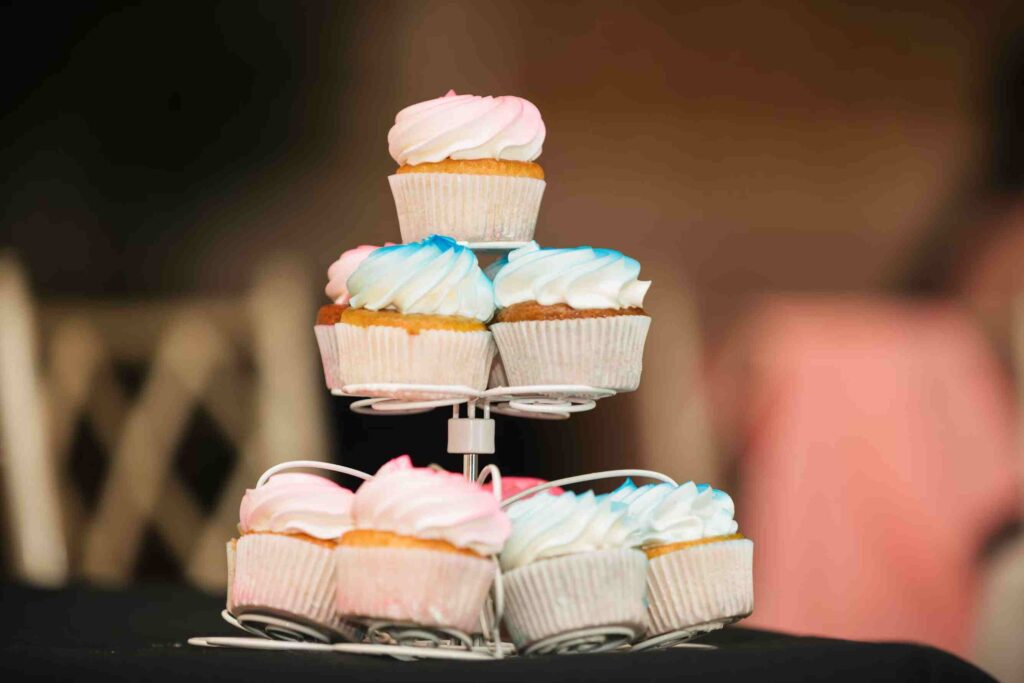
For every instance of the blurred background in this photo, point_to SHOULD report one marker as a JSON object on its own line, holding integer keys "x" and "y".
{"x": 829, "y": 198}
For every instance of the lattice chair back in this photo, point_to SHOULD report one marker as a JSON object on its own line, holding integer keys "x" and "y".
{"x": 140, "y": 424}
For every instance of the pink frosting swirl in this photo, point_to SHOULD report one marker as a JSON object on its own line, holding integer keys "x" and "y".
{"x": 339, "y": 271}
{"x": 467, "y": 127}
{"x": 432, "y": 505}
{"x": 296, "y": 503}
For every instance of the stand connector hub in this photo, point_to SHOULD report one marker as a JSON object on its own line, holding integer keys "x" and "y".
{"x": 471, "y": 435}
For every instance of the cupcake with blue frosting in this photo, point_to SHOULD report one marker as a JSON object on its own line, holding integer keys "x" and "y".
{"x": 700, "y": 572}
{"x": 570, "y": 316}
{"x": 572, "y": 563}
{"x": 417, "y": 314}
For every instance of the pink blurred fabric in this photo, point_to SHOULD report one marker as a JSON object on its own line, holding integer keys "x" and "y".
{"x": 879, "y": 455}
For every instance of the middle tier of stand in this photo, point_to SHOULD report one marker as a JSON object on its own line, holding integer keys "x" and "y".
{"x": 541, "y": 401}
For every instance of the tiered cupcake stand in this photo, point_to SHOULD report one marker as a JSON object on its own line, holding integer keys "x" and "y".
{"x": 470, "y": 434}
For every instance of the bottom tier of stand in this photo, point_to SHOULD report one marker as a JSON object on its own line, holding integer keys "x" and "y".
{"x": 411, "y": 642}
{"x": 277, "y": 630}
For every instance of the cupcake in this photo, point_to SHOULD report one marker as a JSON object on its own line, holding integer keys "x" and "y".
{"x": 572, "y": 563}
{"x": 282, "y": 565}
{"x": 421, "y": 552}
{"x": 417, "y": 315}
{"x": 466, "y": 168}
{"x": 700, "y": 574}
{"x": 327, "y": 316}
{"x": 570, "y": 316}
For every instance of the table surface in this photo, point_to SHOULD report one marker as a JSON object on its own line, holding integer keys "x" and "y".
{"x": 140, "y": 634}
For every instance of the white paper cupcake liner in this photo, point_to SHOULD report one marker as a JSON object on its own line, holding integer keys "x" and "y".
{"x": 231, "y": 572}
{"x": 598, "y": 352}
{"x": 712, "y": 582}
{"x": 474, "y": 208}
{"x": 425, "y": 587}
{"x": 283, "y": 574}
{"x": 497, "y": 378}
{"x": 390, "y": 354}
{"x": 563, "y": 594}
{"x": 328, "y": 344}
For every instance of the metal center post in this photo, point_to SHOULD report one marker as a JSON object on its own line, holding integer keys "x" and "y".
{"x": 471, "y": 436}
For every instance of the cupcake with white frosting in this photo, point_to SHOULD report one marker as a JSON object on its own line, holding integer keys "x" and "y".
{"x": 572, "y": 563}
{"x": 330, "y": 314}
{"x": 700, "y": 574}
{"x": 417, "y": 314}
{"x": 282, "y": 565}
{"x": 467, "y": 168}
{"x": 570, "y": 316}
{"x": 422, "y": 551}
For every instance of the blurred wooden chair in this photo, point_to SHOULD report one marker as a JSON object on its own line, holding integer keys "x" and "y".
{"x": 247, "y": 363}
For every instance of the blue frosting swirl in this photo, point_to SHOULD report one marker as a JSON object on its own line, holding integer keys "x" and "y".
{"x": 434, "y": 276}
{"x": 581, "y": 277}
{"x": 548, "y": 525}
{"x": 671, "y": 514}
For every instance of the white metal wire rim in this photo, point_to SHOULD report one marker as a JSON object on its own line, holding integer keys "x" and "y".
{"x": 364, "y": 406}
{"x": 592, "y": 476}
{"x": 257, "y": 643}
{"x": 397, "y": 651}
{"x": 494, "y": 473}
{"x": 585, "y": 640}
{"x": 392, "y": 389}
{"x": 276, "y": 628}
{"x": 505, "y": 409}
{"x": 411, "y": 652}
{"x": 399, "y": 406}
{"x": 497, "y": 588}
{"x": 310, "y": 464}
{"x": 230, "y": 618}
{"x": 548, "y": 391}
{"x": 552, "y": 405}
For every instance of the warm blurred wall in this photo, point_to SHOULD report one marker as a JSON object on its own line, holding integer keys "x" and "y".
{"x": 733, "y": 148}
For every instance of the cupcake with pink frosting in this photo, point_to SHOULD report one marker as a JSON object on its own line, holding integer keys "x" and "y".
{"x": 467, "y": 168}
{"x": 282, "y": 565}
{"x": 422, "y": 551}
{"x": 330, "y": 314}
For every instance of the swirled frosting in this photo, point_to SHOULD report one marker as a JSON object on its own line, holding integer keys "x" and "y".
{"x": 467, "y": 127}
{"x": 582, "y": 277}
{"x": 547, "y": 525}
{"x": 432, "y": 505}
{"x": 339, "y": 271}
{"x": 434, "y": 276}
{"x": 295, "y": 503}
{"x": 672, "y": 514}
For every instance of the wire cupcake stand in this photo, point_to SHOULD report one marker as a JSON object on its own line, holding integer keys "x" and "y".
{"x": 470, "y": 434}
{"x": 276, "y": 630}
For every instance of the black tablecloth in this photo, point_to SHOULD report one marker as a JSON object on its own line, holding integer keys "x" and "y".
{"x": 140, "y": 635}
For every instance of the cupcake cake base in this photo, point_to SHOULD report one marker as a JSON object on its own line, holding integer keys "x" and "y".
{"x": 700, "y": 588}
{"x": 412, "y": 585}
{"x": 470, "y": 208}
{"x": 598, "y": 352}
{"x": 378, "y": 354}
{"x": 556, "y": 598}
{"x": 287, "y": 579}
